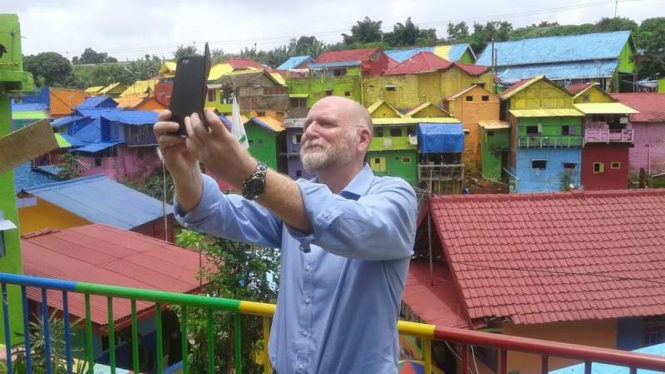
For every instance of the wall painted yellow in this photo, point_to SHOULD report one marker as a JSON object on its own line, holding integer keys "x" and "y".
{"x": 593, "y": 94}
{"x": 541, "y": 95}
{"x": 47, "y": 216}
{"x": 430, "y": 111}
{"x": 412, "y": 90}
{"x": 596, "y": 333}
{"x": 383, "y": 110}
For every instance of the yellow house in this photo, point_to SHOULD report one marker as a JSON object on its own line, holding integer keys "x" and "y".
{"x": 145, "y": 87}
{"x": 113, "y": 90}
{"x": 93, "y": 90}
{"x": 167, "y": 70}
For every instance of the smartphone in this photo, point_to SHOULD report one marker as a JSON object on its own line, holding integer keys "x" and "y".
{"x": 190, "y": 88}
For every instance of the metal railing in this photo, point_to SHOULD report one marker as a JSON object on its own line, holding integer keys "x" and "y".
{"x": 546, "y": 141}
{"x": 427, "y": 333}
{"x": 605, "y": 135}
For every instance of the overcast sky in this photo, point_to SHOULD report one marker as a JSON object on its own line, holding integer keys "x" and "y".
{"x": 129, "y": 29}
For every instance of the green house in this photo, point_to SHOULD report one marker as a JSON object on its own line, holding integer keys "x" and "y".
{"x": 341, "y": 81}
{"x": 12, "y": 78}
{"x": 494, "y": 148}
{"x": 266, "y": 141}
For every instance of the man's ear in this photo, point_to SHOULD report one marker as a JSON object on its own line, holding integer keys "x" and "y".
{"x": 364, "y": 139}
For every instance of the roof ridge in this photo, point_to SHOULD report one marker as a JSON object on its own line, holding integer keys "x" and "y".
{"x": 550, "y": 195}
{"x": 68, "y": 182}
{"x": 36, "y": 234}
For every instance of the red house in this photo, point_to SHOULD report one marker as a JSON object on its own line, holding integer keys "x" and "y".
{"x": 372, "y": 61}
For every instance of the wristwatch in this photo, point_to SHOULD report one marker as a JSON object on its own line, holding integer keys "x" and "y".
{"x": 255, "y": 185}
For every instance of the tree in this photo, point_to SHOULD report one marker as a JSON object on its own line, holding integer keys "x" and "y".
{"x": 89, "y": 56}
{"x": 653, "y": 60}
{"x": 457, "y": 32}
{"x": 403, "y": 34}
{"x": 49, "y": 69}
{"x": 104, "y": 74}
{"x": 183, "y": 51}
{"x": 490, "y": 31}
{"x": 235, "y": 271}
{"x": 145, "y": 68}
{"x": 69, "y": 167}
{"x": 277, "y": 56}
{"x": 365, "y": 31}
{"x": 616, "y": 24}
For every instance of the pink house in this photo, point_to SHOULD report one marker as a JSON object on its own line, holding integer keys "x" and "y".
{"x": 121, "y": 163}
{"x": 648, "y": 152}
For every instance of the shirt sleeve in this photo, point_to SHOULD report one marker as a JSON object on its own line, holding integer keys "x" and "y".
{"x": 231, "y": 217}
{"x": 378, "y": 226}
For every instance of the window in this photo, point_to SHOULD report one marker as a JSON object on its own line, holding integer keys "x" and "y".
{"x": 297, "y": 138}
{"x": 98, "y": 161}
{"x": 490, "y": 133}
{"x": 486, "y": 98}
{"x": 390, "y": 87}
{"x": 259, "y": 142}
{"x": 378, "y": 132}
{"x": 615, "y": 165}
{"x": 328, "y": 92}
{"x": 261, "y": 114}
{"x": 469, "y": 98}
{"x": 532, "y": 130}
{"x": 377, "y": 161}
{"x": 406, "y": 160}
{"x": 598, "y": 167}
{"x": 251, "y": 142}
{"x": 298, "y": 173}
{"x": 298, "y": 102}
{"x": 396, "y": 131}
{"x": 347, "y": 93}
{"x": 539, "y": 164}
{"x": 565, "y": 130}
{"x": 339, "y": 72}
{"x": 569, "y": 166}
{"x": 211, "y": 95}
{"x": 653, "y": 331}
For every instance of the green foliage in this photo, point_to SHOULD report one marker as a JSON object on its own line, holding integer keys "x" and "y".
{"x": 236, "y": 271}
{"x": 566, "y": 182}
{"x": 183, "y": 51}
{"x": 145, "y": 68}
{"x": 89, "y": 56}
{"x": 50, "y": 69}
{"x": 490, "y": 31}
{"x": 408, "y": 34}
{"x": 70, "y": 167}
{"x": 38, "y": 348}
{"x": 616, "y": 24}
{"x": 365, "y": 31}
{"x": 457, "y": 32}
{"x": 104, "y": 74}
{"x": 153, "y": 185}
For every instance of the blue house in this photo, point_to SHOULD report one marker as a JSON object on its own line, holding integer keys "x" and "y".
{"x": 454, "y": 53}
{"x": 298, "y": 62}
{"x": 98, "y": 102}
{"x": 606, "y": 58}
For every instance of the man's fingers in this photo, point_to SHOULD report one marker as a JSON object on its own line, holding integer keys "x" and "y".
{"x": 164, "y": 115}
{"x": 170, "y": 140}
{"x": 198, "y": 126}
{"x": 215, "y": 124}
{"x": 164, "y": 127}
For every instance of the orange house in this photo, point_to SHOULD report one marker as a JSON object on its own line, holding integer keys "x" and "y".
{"x": 139, "y": 102}
{"x": 63, "y": 101}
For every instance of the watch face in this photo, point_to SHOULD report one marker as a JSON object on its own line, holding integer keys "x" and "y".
{"x": 254, "y": 188}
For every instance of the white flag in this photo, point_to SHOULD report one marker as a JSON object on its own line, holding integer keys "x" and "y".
{"x": 237, "y": 127}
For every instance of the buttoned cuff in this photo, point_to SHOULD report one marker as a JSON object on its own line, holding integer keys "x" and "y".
{"x": 206, "y": 206}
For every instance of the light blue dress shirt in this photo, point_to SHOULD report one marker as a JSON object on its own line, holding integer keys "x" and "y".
{"x": 340, "y": 287}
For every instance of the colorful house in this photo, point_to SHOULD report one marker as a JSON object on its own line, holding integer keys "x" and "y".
{"x": 371, "y": 61}
{"x": 293, "y": 135}
{"x": 25, "y": 114}
{"x": 266, "y": 139}
{"x": 546, "y": 136}
{"x": 141, "y": 103}
{"x": 13, "y": 79}
{"x": 93, "y": 90}
{"x": 471, "y": 106}
{"x": 107, "y": 255}
{"x": 648, "y": 151}
{"x": 425, "y": 77}
{"x": 606, "y": 58}
{"x": 144, "y": 88}
{"x": 335, "y": 79}
{"x": 544, "y": 266}
{"x": 259, "y": 94}
{"x": 94, "y": 199}
{"x": 63, "y": 102}
{"x": 295, "y": 63}
{"x": 608, "y": 137}
{"x": 97, "y": 102}
{"x": 114, "y": 90}
{"x": 494, "y": 148}
{"x": 462, "y": 53}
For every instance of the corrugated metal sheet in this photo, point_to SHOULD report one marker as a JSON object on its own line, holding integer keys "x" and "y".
{"x": 422, "y": 62}
{"x": 293, "y": 62}
{"x": 108, "y": 88}
{"x": 451, "y": 53}
{"x": 29, "y": 107}
{"x": 238, "y": 64}
{"x": 140, "y": 87}
{"x": 334, "y": 65}
{"x": 604, "y": 108}
{"x": 106, "y": 255}
{"x": 568, "y": 70}
{"x": 526, "y": 113}
{"x": 100, "y": 200}
{"x": 412, "y": 121}
{"x": 134, "y": 117}
{"x": 556, "y": 49}
{"x": 62, "y": 142}
{"x": 97, "y": 102}
{"x": 94, "y": 89}
{"x": 71, "y": 140}
{"x": 97, "y": 147}
{"x": 91, "y": 133}
{"x": 65, "y": 121}
{"x": 267, "y": 123}
{"x": 401, "y": 55}
{"x": 494, "y": 125}
{"x": 37, "y": 115}
{"x": 348, "y": 55}
{"x": 651, "y": 106}
{"x": 25, "y": 177}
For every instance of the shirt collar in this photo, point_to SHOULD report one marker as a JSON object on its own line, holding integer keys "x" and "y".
{"x": 359, "y": 184}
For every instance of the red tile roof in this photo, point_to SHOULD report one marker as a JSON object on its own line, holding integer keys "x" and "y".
{"x": 577, "y": 87}
{"x": 107, "y": 255}
{"x": 651, "y": 106}
{"x": 421, "y": 62}
{"x": 472, "y": 69}
{"x": 346, "y": 56}
{"x": 540, "y": 258}
{"x": 238, "y": 64}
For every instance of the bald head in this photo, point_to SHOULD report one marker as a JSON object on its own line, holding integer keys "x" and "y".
{"x": 349, "y": 111}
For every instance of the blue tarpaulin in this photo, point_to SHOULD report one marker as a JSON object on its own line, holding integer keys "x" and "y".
{"x": 97, "y": 102}
{"x": 136, "y": 118}
{"x": 440, "y": 138}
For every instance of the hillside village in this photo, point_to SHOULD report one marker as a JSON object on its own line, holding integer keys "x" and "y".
{"x": 537, "y": 164}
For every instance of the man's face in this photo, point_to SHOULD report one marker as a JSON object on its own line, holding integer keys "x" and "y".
{"x": 328, "y": 139}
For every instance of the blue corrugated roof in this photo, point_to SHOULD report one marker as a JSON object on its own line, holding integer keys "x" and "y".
{"x": 72, "y": 140}
{"x": 96, "y": 113}
{"x": 28, "y": 107}
{"x": 597, "y": 368}
{"x": 600, "y": 46}
{"x": 401, "y": 55}
{"x": 334, "y": 65}
{"x": 100, "y": 200}
{"x": 65, "y": 120}
{"x": 570, "y": 70}
{"x": 92, "y": 133}
{"x": 25, "y": 177}
{"x": 131, "y": 117}
{"x": 457, "y": 51}
{"x": 292, "y": 62}
{"x": 96, "y": 147}
{"x": 97, "y": 102}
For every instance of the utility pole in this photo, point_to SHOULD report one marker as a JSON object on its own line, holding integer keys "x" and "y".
{"x": 616, "y": 6}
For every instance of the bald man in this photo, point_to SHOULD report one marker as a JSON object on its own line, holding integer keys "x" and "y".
{"x": 346, "y": 237}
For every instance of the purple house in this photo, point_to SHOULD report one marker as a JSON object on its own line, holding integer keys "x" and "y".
{"x": 293, "y": 134}
{"x": 648, "y": 152}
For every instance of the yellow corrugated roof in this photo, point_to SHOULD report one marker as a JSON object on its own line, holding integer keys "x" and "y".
{"x": 443, "y": 51}
{"x": 168, "y": 68}
{"x": 279, "y": 78}
{"x": 274, "y": 124}
{"x": 140, "y": 87}
{"x": 494, "y": 125}
{"x": 130, "y": 101}
{"x": 605, "y": 108}
{"x": 108, "y": 88}
{"x": 218, "y": 70}
{"x": 94, "y": 89}
{"x": 243, "y": 119}
{"x": 525, "y": 113}
{"x": 409, "y": 120}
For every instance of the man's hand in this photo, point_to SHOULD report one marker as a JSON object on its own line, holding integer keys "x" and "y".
{"x": 179, "y": 161}
{"x": 218, "y": 150}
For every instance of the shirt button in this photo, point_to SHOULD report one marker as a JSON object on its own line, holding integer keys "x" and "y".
{"x": 308, "y": 268}
{"x": 308, "y": 300}
{"x": 301, "y": 366}
{"x": 304, "y": 333}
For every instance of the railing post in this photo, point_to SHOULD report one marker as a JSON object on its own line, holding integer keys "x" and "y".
{"x": 267, "y": 366}
{"x": 8, "y": 333}
{"x": 427, "y": 350}
{"x": 68, "y": 340}
{"x": 587, "y": 367}
{"x": 135, "y": 342}
{"x": 211, "y": 344}
{"x": 238, "y": 343}
{"x": 47, "y": 331}
{"x": 184, "y": 341}
{"x": 544, "y": 365}
{"x": 160, "y": 341}
{"x": 88, "y": 335}
{"x": 465, "y": 358}
{"x": 26, "y": 330}
{"x": 504, "y": 361}
{"x": 111, "y": 334}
